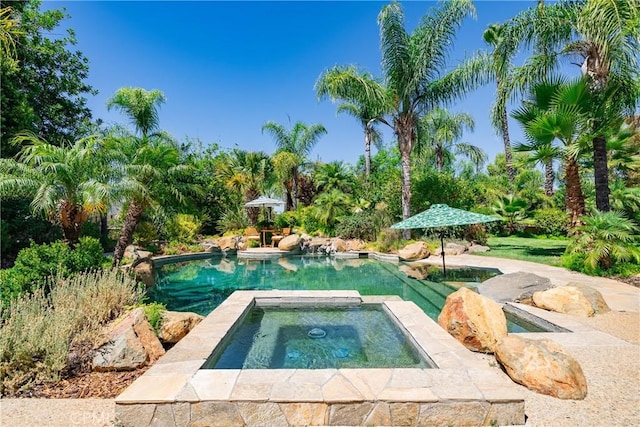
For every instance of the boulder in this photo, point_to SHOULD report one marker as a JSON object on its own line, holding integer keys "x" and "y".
{"x": 518, "y": 287}
{"x": 564, "y": 299}
{"x": 289, "y": 243}
{"x": 131, "y": 344}
{"x": 176, "y": 325}
{"x": 476, "y": 321}
{"x": 136, "y": 253}
{"x": 355, "y": 245}
{"x": 414, "y": 251}
{"x": 454, "y": 249}
{"x": 339, "y": 245}
{"x": 145, "y": 272}
{"x": 542, "y": 366}
{"x": 478, "y": 248}
{"x": 596, "y": 299}
{"x": 228, "y": 242}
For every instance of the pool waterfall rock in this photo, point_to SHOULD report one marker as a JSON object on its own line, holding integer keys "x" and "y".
{"x": 475, "y": 321}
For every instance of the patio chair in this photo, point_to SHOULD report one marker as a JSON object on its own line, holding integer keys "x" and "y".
{"x": 252, "y": 233}
{"x": 275, "y": 239}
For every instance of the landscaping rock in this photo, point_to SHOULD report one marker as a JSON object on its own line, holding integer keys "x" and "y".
{"x": 476, "y": 321}
{"x": 176, "y": 325}
{"x": 355, "y": 245}
{"x": 136, "y": 253}
{"x": 454, "y": 249}
{"x": 518, "y": 287}
{"x": 131, "y": 343}
{"x": 290, "y": 243}
{"x": 228, "y": 242}
{"x": 596, "y": 299}
{"x": 414, "y": 252}
{"x": 542, "y": 366}
{"x": 145, "y": 272}
{"x": 339, "y": 245}
{"x": 478, "y": 248}
{"x": 564, "y": 299}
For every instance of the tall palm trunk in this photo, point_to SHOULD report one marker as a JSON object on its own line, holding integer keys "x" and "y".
{"x": 253, "y": 213}
{"x": 131, "y": 220}
{"x": 405, "y": 133}
{"x": 601, "y": 173}
{"x": 508, "y": 156}
{"x": 72, "y": 217}
{"x": 367, "y": 151}
{"x": 294, "y": 188}
{"x": 548, "y": 177}
{"x": 104, "y": 230}
{"x": 574, "y": 197}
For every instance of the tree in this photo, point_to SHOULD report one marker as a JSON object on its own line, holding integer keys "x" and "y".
{"x": 368, "y": 108}
{"x": 148, "y": 166}
{"x": 606, "y": 35}
{"x": 556, "y": 110}
{"x": 59, "y": 180}
{"x": 330, "y": 206}
{"x": 42, "y": 86}
{"x": 297, "y": 142}
{"x": 439, "y": 132}
{"x": 333, "y": 175}
{"x": 249, "y": 173}
{"x": 415, "y": 80}
{"x": 500, "y": 67}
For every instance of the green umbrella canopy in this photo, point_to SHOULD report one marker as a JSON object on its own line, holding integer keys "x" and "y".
{"x": 443, "y": 216}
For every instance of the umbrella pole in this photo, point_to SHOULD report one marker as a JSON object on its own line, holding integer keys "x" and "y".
{"x": 444, "y": 268}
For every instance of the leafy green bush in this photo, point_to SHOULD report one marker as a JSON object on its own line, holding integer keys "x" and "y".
{"x": 476, "y": 233}
{"x": 176, "y": 248}
{"x": 154, "y": 311}
{"x": 183, "y": 227}
{"x": 310, "y": 221}
{"x": 357, "y": 226}
{"x": 38, "y": 329}
{"x": 37, "y": 262}
{"x": 145, "y": 233}
{"x": 287, "y": 219}
{"x": 551, "y": 221}
{"x": 390, "y": 241}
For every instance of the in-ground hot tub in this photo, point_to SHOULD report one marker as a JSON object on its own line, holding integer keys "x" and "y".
{"x": 458, "y": 389}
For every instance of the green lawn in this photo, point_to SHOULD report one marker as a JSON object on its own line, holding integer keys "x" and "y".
{"x": 543, "y": 251}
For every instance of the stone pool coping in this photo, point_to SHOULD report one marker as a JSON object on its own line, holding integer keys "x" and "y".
{"x": 462, "y": 390}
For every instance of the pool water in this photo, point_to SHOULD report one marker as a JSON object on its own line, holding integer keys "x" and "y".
{"x": 200, "y": 286}
{"x": 317, "y": 338}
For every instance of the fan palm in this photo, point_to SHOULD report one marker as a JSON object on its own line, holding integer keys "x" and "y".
{"x": 333, "y": 175}
{"x": 330, "y": 206}
{"x": 438, "y": 135}
{"x": 415, "y": 75}
{"x": 556, "y": 110}
{"x": 606, "y": 35}
{"x": 60, "y": 180}
{"x": 297, "y": 142}
{"x": 606, "y": 237}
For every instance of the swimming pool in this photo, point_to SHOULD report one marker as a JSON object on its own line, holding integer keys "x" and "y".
{"x": 200, "y": 286}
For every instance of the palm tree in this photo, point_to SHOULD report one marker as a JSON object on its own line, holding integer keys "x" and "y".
{"x": 249, "y": 173}
{"x": 415, "y": 77}
{"x": 556, "y": 111}
{"x": 333, "y": 175}
{"x": 330, "y": 206}
{"x": 59, "y": 179}
{"x": 544, "y": 154}
{"x": 367, "y": 108}
{"x": 148, "y": 166}
{"x": 500, "y": 67}
{"x": 297, "y": 143}
{"x": 438, "y": 135}
{"x": 606, "y": 34}
{"x": 606, "y": 237}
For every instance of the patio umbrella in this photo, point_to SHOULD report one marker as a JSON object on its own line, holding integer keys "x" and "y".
{"x": 264, "y": 202}
{"x": 440, "y": 216}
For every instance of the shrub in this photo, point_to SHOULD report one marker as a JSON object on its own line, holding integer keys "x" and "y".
{"x": 39, "y": 329}
{"x": 37, "y": 262}
{"x": 310, "y": 222}
{"x": 287, "y": 219}
{"x": 154, "y": 311}
{"x": 145, "y": 233}
{"x": 551, "y": 221}
{"x": 476, "y": 233}
{"x": 390, "y": 240}
{"x": 183, "y": 227}
{"x": 357, "y": 226}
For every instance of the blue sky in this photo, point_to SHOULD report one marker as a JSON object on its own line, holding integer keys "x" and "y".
{"x": 228, "y": 67}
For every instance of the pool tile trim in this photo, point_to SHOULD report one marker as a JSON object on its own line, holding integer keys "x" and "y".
{"x": 348, "y": 396}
